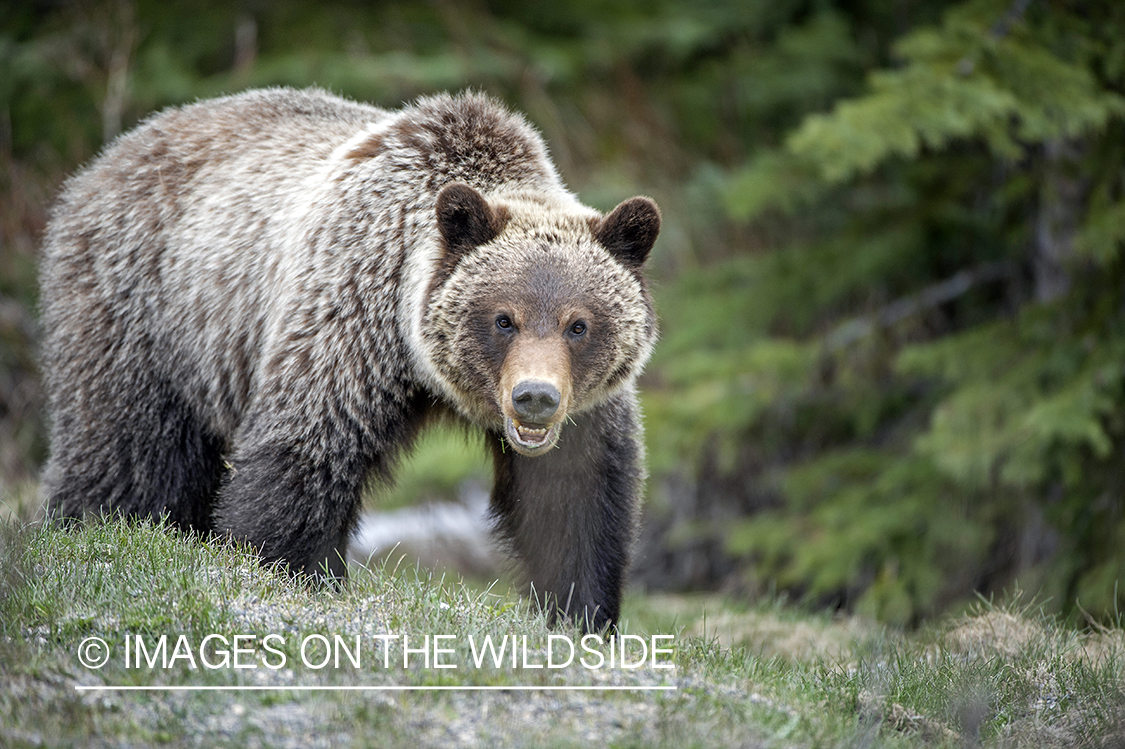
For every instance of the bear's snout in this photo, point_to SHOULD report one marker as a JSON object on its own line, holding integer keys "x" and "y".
{"x": 534, "y": 393}
{"x": 535, "y": 401}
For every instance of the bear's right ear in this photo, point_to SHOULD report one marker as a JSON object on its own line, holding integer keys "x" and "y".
{"x": 465, "y": 219}
{"x": 629, "y": 231}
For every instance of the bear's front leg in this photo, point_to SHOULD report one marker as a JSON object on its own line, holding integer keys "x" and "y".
{"x": 297, "y": 481}
{"x": 292, "y": 506}
{"x": 570, "y": 514}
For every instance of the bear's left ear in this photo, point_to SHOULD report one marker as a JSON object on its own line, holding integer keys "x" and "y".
{"x": 465, "y": 219}
{"x": 630, "y": 230}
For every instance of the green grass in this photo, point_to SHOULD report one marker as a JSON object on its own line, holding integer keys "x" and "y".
{"x": 745, "y": 675}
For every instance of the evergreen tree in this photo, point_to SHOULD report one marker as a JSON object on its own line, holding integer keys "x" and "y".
{"x": 933, "y": 361}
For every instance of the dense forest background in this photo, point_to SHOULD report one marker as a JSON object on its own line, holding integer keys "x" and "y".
{"x": 890, "y": 281}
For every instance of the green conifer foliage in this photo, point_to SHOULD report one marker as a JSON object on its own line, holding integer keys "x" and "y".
{"x": 953, "y": 281}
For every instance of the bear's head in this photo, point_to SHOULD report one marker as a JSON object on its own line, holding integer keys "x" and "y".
{"x": 538, "y": 310}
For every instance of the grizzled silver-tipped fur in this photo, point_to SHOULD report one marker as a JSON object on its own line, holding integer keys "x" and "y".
{"x": 253, "y": 304}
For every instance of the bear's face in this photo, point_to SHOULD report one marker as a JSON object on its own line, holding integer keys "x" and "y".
{"x": 533, "y": 316}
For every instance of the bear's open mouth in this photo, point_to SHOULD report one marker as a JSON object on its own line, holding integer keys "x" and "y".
{"x": 531, "y": 439}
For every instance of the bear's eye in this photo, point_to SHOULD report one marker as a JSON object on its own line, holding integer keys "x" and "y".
{"x": 504, "y": 322}
{"x": 578, "y": 329}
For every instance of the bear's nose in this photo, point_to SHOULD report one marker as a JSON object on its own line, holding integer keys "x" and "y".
{"x": 534, "y": 401}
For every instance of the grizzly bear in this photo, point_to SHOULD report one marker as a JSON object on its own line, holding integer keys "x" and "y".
{"x": 253, "y": 304}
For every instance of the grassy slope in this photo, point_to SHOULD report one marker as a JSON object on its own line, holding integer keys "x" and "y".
{"x": 760, "y": 676}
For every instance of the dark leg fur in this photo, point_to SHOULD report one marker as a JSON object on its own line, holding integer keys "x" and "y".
{"x": 146, "y": 456}
{"x": 292, "y": 509}
{"x": 569, "y": 515}
{"x": 298, "y": 500}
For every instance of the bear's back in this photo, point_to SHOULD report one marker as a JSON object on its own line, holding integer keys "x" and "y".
{"x": 172, "y": 239}
{"x": 258, "y": 142}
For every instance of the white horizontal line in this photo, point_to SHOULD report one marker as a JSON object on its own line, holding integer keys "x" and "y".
{"x": 387, "y": 688}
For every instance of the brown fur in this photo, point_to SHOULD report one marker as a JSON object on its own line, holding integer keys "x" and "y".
{"x": 541, "y": 359}
{"x": 291, "y": 284}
